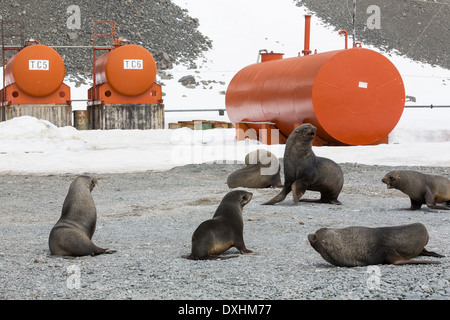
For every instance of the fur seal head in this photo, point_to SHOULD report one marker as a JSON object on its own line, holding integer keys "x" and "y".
{"x": 303, "y": 134}
{"x": 93, "y": 182}
{"x": 243, "y": 196}
{"x": 391, "y": 179}
{"x": 324, "y": 242}
{"x": 239, "y": 197}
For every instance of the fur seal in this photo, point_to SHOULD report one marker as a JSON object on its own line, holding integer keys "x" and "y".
{"x": 72, "y": 234}
{"x": 421, "y": 188}
{"x": 224, "y": 230}
{"x": 262, "y": 171}
{"x": 303, "y": 170}
{"x": 361, "y": 246}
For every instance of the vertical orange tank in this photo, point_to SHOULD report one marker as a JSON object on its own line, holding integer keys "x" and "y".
{"x": 35, "y": 75}
{"x": 126, "y": 74}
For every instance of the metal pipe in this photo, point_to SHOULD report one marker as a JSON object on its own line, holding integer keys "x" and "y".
{"x": 430, "y": 106}
{"x": 353, "y": 23}
{"x": 259, "y": 54}
{"x": 221, "y": 111}
{"x": 306, "y": 50}
{"x": 196, "y": 110}
{"x": 88, "y": 47}
{"x": 346, "y": 37}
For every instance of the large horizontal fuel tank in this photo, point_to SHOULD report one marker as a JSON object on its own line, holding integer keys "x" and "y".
{"x": 37, "y": 70}
{"x": 354, "y": 96}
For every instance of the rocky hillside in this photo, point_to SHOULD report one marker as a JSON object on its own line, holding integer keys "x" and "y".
{"x": 416, "y": 28}
{"x": 158, "y": 25}
{"x": 419, "y": 29}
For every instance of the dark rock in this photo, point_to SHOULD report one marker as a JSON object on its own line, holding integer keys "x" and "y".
{"x": 160, "y": 26}
{"x": 417, "y": 29}
{"x": 187, "y": 81}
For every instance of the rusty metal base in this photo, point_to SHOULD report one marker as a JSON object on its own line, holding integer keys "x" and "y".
{"x": 126, "y": 116}
{"x": 58, "y": 114}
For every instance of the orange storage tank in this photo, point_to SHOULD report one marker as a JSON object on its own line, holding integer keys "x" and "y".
{"x": 353, "y": 97}
{"x": 126, "y": 74}
{"x": 35, "y": 75}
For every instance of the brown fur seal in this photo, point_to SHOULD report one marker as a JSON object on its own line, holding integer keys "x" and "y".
{"x": 362, "y": 246}
{"x": 304, "y": 171}
{"x": 421, "y": 188}
{"x": 262, "y": 171}
{"x": 224, "y": 230}
{"x": 71, "y": 235}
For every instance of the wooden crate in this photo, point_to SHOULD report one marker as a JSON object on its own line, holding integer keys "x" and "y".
{"x": 200, "y": 124}
{"x": 221, "y": 125}
{"x": 174, "y": 125}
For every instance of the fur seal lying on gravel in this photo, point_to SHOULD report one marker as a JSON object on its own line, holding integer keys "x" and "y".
{"x": 72, "y": 234}
{"x": 224, "y": 230}
{"x": 262, "y": 171}
{"x": 362, "y": 246}
{"x": 304, "y": 171}
{"x": 421, "y": 188}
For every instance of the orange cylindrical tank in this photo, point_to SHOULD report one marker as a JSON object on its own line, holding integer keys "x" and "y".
{"x": 353, "y": 97}
{"x": 129, "y": 69}
{"x": 37, "y": 70}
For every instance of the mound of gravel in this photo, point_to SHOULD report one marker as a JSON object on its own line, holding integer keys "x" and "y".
{"x": 149, "y": 219}
{"x": 418, "y": 29}
{"x": 160, "y": 26}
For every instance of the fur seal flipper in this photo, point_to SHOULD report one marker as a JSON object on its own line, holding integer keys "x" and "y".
{"x": 225, "y": 229}
{"x": 72, "y": 234}
{"x": 421, "y": 188}
{"x": 361, "y": 246}
{"x": 303, "y": 170}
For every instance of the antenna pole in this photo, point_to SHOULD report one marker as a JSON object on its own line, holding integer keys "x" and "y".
{"x": 354, "y": 17}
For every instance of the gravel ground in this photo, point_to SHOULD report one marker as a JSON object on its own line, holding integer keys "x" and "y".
{"x": 149, "y": 219}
